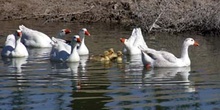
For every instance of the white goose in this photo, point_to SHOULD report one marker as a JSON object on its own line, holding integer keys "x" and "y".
{"x": 34, "y": 38}
{"x": 13, "y": 46}
{"x": 133, "y": 43}
{"x": 82, "y": 49}
{"x": 60, "y": 53}
{"x": 155, "y": 58}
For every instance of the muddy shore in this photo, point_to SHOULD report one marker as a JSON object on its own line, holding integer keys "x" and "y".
{"x": 151, "y": 15}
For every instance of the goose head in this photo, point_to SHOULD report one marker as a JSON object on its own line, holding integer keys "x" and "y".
{"x": 190, "y": 41}
{"x": 64, "y": 32}
{"x": 75, "y": 40}
{"x": 84, "y": 31}
{"x": 18, "y": 34}
{"x": 124, "y": 41}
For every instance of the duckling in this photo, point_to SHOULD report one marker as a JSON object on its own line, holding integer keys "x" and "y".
{"x": 100, "y": 57}
{"x": 119, "y": 57}
{"x": 95, "y": 57}
{"x": 105, "y": 56}
{"x": 112, "y": 55}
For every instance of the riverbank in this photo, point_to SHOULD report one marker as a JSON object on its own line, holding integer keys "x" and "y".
{"x": 151, "y": 15}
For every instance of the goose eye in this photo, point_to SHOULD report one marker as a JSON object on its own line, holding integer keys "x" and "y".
{"x": 191, "y": 40}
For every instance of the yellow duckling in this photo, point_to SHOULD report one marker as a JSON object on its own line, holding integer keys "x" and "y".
{"x": 112, "y": 55}
{"x": 95, "y": 57}
{"x": 101, "y": 57}
{"x": 105, "y": 56}
{"x": 119, "y": 57}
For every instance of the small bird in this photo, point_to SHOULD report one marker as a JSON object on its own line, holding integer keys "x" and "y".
{"x": 105, "y": 56}
{"x": 101, "y": 57}
{"x": 95, "y": 57}
{"x": 119, "y": 57}
{"x": 112, "y": 55}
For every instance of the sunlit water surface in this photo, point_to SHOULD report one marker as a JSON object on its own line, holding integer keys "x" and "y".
{"x": 37, "y": 83}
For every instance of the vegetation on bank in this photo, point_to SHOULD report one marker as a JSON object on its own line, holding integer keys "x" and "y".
{"x": 151, "y": 15}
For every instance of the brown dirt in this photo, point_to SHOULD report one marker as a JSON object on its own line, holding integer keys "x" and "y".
{"x": 175, "y": 15}
{"x": 66, "y": 10}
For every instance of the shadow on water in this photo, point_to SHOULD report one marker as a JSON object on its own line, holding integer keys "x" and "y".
{"x": 38, "y": 83}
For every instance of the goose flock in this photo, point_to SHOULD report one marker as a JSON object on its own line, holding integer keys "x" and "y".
{"x": 70, "y": 51}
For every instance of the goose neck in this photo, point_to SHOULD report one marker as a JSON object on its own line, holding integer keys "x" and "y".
{"x": 60, "y": 35}
{"x": 17, "y": 42}
{"x": 184, "y": 54}
{"x": 82, "y": 35}
{"x": 73, "y": 46}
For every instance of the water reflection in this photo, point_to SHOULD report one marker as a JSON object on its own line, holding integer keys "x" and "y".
{"x": 169, "y": 76}
{"x": 59, "y": 67}
{"x": 12, "y": 91}
{"x": 39, "y": 53}
{"x": 133, "y": 63}
{"x": 74, "y": 68}
{"x": 67, "y": 71}
{"x": 141, "y": 89}
{"x": 14, "y": 64}
{"x": 83, "y": 61}
{"x": 65, "y": 68}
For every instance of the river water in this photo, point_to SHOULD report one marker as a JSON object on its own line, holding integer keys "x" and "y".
{"x": 37, "y": 83}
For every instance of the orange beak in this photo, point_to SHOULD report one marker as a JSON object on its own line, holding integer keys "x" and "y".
{"x": 67, "y": 31}
{"x": 148, "y": 66}
{"x": 78, "y": 40}
{"x": 87, "y": 33}
{"x": 19, "y": 34}
{"x": 196, "y": 43}
{"x": 122, "y": 40}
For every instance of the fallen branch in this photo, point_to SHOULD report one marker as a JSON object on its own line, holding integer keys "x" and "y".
{"x": 154, "y": 25}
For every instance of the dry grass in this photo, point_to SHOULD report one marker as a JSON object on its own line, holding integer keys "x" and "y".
{"x": 175, "y": 15}
{"x": 179, "y": 15}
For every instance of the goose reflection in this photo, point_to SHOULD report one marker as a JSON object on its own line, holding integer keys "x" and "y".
{"x": 83, "y": 61}
{"x": 133, "y": 63}
{"x": 74, "y": 68}
{"x": 64, "y": 67}
{"x": 15, "y": 64}
{"x": 59, "y": 67}
{"x": 68, "y": 72}
{"x": 169, "y": 76}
